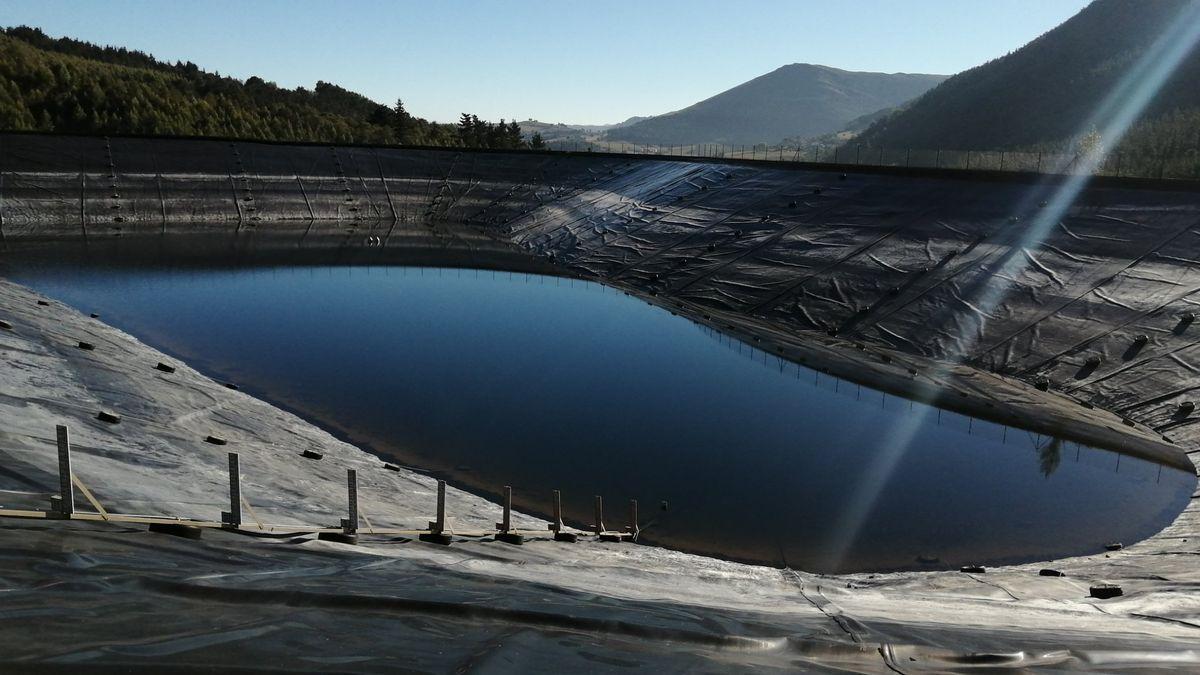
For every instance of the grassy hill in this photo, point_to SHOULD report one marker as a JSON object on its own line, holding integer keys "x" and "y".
{"x": 64, "y": 85}
{"x": 1042, "y": 95}
{"x": 797, "y": 100}
{"x": 560, "y": 134}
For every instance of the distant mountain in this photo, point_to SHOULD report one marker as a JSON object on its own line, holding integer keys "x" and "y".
{"x": 1044, "y": 93}
{"x": 793, "y": 101}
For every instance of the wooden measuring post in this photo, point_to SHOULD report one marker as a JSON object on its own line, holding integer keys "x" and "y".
{"x": 350, "y": 524}
{"x": 349, "y": 533}
{"x": 598, "y": 527}
{"x": 505, "y": 533}
{"x": 505, "y": 523}
{"x": 437, "y": 527}
{"x": 598, "y": 519}
{"x": 232, "y": 518}
{"x": 557, "y": 525}
{"x": 632, "y": 528}
{"x": 63, "y": 505}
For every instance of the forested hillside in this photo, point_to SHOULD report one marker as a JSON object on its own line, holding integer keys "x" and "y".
{"x": 65, "y": 85}
{"x": 1043, "y": 95}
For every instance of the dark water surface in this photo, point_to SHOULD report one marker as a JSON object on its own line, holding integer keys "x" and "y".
{"x": 494, "y": 378}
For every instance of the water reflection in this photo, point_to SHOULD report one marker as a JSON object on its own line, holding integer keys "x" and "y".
{"x": 1049, "y": 455}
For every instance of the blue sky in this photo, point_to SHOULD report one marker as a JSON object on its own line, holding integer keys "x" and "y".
{"x": 553, "y": 61}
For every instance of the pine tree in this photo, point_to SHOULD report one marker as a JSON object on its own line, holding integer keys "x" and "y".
{"x": 513, "y": 135}
{"x": 402, "y": 124}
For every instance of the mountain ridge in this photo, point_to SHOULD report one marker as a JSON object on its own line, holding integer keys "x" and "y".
{"x": 794, "y": 100}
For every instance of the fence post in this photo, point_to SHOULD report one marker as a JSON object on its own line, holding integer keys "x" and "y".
{"x": 1039, "y": 164}
{"x": 64, "y": 505}
{"x": 1001, "y": 160}
{"x": 968, "y": 160}
{"x": 858, "y": 154}
{"x": 233, "y": 517}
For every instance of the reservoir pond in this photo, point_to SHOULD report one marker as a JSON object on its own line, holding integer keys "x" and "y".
{"x": 492, "y": 378}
